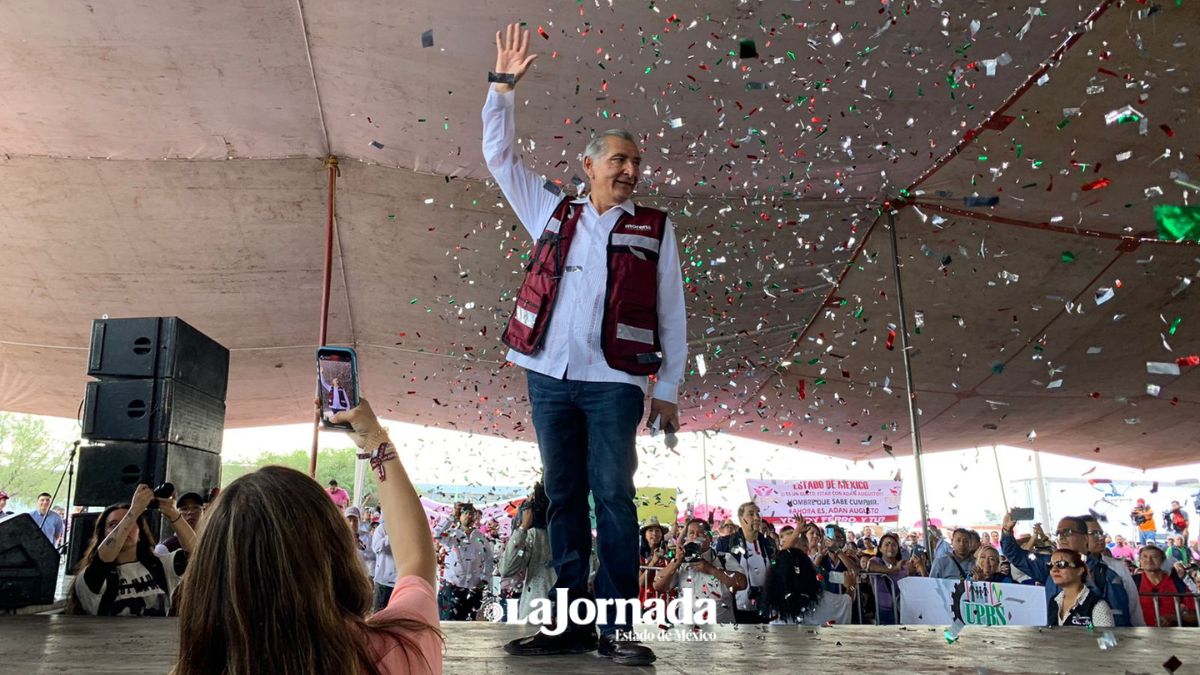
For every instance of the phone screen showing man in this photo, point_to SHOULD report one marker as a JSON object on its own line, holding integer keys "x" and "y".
{"x": 338, "y": 384}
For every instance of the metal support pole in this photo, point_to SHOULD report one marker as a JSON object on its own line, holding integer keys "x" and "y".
{"x": 1000, "y": 477}
{"x": 1041, "y": 489}
{"x": 331, "y": 165}
{"x": 908, "y": 384}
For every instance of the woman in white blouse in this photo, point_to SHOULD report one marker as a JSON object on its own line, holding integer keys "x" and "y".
{"x": 1076, "y": 604}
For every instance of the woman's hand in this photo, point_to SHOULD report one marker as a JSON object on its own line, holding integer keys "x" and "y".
{"x": 142, "y": 497}
{"x": 362, "y": 419}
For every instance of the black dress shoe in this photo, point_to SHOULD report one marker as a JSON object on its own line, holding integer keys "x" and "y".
{"x": 625, "y": 652}
{"x": 571, "y": 641}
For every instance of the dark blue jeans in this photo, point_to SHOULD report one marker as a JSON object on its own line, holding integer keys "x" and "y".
{"x": 586, "y": 434}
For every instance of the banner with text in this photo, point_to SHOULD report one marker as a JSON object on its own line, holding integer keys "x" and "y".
{"x": 938, "y": 602}
{"x": 843, "y": 501}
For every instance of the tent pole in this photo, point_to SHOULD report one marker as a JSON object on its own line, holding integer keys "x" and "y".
{"x": 908, "y": 383}
{"x": 331, "y": 165}
{"x": 704, "y": 459}
{"x": 1000, "y": 476}
{"x": 1041, "y": 487}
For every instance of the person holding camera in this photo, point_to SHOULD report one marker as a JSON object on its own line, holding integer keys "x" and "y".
{"x": 1143, "y": 516}
{"x": 120, "y": 575}
{"x": 709, "y": 573}
{"x": 527, "y": 553}
{"x": 754, "y": 552}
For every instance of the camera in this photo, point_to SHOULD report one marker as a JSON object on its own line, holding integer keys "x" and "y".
{"x": 161, "y": 492}
{"x": 691, "y": 552}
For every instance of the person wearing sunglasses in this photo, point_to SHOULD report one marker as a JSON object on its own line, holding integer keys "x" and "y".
{"x": 1096, "y": 549}
{"x": 1072, "y": 535}
{"x": 1075, "y": 604}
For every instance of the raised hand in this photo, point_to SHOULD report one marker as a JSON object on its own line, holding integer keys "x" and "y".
{"x": 512, "y": 54}
{"x": 142, "y": 497}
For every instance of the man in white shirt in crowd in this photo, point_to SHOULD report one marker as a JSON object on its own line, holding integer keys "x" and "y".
{"x": 385, "y": 566}
{"x": 600, "y": 309}
{"x": 753, "y": 551}
{"x": 710, "y": 574}
{"x": 468, "y": 566}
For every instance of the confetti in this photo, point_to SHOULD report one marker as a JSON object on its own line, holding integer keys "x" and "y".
{"x": 1162, "y": 368}
{"x": 377, "y": 145}
{"x": 1177, "y": 223}
{"x": 747, "y": 50}
{"x": 427, "y": 38}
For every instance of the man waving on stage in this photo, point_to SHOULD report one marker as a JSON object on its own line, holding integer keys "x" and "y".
{"x": 600, "y": 309}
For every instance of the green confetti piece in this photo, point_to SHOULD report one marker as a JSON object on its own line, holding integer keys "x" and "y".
{"x": 858, "y": 313}
{"x": 791, "y": 55}
{"x": 413, "y": 301}
{"x": 1175, "y": 325}
{"x": 1065, "y": 122}
{"x": 819, "y": 381}
{"x": 1020, "y": 150}
{"x": 1177, "y": 222}
{"x": 1068, "y": 257}
{"x": 983, "y": 158}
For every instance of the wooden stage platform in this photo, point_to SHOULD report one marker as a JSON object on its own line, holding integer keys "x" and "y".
{"x": 99, "y": 646}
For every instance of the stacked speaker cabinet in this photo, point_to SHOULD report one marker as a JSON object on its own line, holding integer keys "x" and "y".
{"x": 156, "y": 411}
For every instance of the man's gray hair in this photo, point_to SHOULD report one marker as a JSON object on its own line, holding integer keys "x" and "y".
{"x": 596, "y": 146}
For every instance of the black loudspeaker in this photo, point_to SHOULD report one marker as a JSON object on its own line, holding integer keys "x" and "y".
{"x": 155, "y": 410}
{"x": 83, "y": 526}
{"x": 158, "y": 347}
{"x": 28, "y": 563}
{"x": 109, "y": 473}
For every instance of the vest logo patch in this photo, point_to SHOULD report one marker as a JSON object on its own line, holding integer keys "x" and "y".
{"x": 639, "y": 228}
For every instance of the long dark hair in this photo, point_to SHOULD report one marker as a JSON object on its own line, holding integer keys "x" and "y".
{"x": 793, "y": 589}
{"x": 145, "y": 553}
{"x": 265, "y": 594}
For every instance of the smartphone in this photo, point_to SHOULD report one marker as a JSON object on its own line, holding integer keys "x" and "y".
{"x": 1023, "y": 513}
{"x": 337, "y": 383}
{"x": 830, "y": 531}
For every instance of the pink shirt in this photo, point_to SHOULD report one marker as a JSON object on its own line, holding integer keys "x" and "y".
{"x": 340, "y": 497}
{"x": 1123, "y": 552}
{"x": 413, "y": 598}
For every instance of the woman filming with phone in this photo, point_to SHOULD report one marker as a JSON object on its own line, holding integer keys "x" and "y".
{"x": 266, "y": 594}
{"x": 120, "y": 575}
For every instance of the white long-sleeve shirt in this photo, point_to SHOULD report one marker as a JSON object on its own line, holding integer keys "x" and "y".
{"x": 572, "y": 342}
{"x": 469, "y": 562}
{"x": 385, "y": 564}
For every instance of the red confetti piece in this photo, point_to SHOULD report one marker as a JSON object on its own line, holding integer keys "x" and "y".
{"x": 1097, "y": 184}
{"x": 543, "y": 33}
{"x": 999, "y": 122}
{"x": 1167, "y": 130}
{"x": 800, "y": 388}
{"x": 891, "y": 340}
{"x": 1193, "y": 360}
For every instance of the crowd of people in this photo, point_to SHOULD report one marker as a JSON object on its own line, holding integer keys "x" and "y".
{"x": 819, "y": 573}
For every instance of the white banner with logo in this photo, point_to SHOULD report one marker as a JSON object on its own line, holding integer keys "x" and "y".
{"x": 842, "y": 501}
{"x": 938, "y": 602}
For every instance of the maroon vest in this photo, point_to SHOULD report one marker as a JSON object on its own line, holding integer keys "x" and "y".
{"x": 629, "y": 328}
